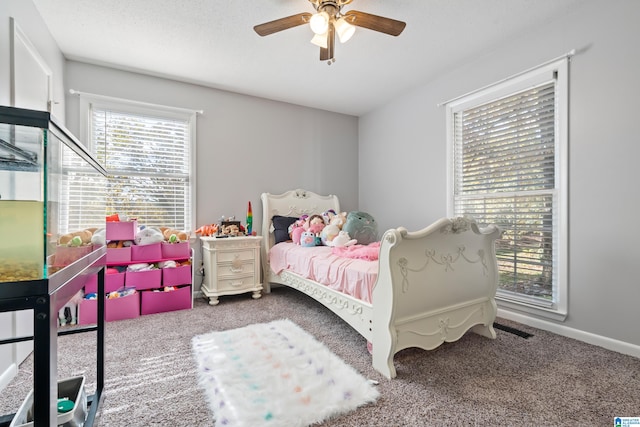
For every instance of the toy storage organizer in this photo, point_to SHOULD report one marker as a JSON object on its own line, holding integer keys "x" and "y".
{"x": 150, "y": 296}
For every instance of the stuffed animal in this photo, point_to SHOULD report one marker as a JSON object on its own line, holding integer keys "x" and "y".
{"x": 295, "y": 230}
{"x": 362, "y": 227}
{"x": 328, "y": 215}
{"x": 307, "y": 239}
{"x": 316, "y": 220}
{"x": 231, "y": 230}
{"x": 313, "y": 224}
{"x": 99, "y": 237}
{"x": 342, "y": 239}
{"x": 167, "y": 232}
{"x": 208, "y": 230}
{"x": 336, "y": 223}
{"x": 148, "y": 235}
{"x": 84, "y": 235}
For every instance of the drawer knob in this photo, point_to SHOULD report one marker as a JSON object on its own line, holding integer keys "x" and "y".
{"x": 236, "y": 265}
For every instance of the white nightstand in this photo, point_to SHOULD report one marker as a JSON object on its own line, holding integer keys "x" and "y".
{"x": 231, "y": 266}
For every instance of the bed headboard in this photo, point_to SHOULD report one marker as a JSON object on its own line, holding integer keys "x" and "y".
{"x": 292, "y": 203}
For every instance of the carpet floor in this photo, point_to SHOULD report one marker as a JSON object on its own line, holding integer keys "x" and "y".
{"x": 544, "y": 380}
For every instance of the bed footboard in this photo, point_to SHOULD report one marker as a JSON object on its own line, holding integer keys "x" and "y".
{"x": 438, "y": 283}
{"x": 433, "y": 285}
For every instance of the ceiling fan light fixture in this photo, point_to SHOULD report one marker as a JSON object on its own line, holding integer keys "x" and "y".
{"x": 344, "y": 29}
{"x": 320, "y": 40}
{"x": 319, "y": 22}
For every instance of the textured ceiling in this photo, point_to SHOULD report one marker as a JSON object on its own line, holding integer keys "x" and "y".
{"x": 212, "y": 43}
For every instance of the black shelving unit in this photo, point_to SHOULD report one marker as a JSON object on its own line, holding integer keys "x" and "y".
{"x": 48, "y": 295}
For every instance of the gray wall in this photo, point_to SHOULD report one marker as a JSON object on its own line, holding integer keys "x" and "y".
{"x": 403, "y": 156}
{"x": 245, "y": 145}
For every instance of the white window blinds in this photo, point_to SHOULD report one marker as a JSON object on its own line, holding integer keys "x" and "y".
{"x": 148, "y": 156}
{"x": 504, "y": 155}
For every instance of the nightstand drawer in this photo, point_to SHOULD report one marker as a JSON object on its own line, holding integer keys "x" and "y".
{"x": 242, "y": 268}
{"x": 236, "y": 255}
{"x": 236, "y": 283}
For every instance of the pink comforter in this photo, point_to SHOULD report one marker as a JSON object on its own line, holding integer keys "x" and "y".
{"x": 352, "y": 276}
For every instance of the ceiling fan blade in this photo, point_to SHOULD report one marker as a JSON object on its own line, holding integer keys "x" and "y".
{"x": 282, "y": 24}
{"x": 327, "y": 54}
{"x": 375, "y": 22}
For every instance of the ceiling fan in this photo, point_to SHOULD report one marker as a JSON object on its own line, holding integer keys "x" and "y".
{"x": 328, "y": 20}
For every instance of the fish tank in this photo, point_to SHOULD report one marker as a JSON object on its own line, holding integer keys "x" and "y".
{"x": 52, "y": 196}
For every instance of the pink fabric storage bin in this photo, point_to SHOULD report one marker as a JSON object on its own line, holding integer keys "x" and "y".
{"x": 159, "y": 302}
{"x": 151, "y": 252}
{"x": 123, "y": 230}
{"x": 147, "y": 279}
{"x": 118, "y": 255}
{"x": 112, "y": 282}
{"x": 176, "y": 276}
{"x": 114, "y": 309}
{"x": 180, "y": 250}
{"x": 91, "y": 285}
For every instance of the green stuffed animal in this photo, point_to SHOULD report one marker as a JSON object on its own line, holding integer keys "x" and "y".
{"x": 362, "y": 227}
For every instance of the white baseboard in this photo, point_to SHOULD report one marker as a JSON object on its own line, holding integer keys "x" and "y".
{"x": 565, "y": 331}
{"x": 7, "y": 375}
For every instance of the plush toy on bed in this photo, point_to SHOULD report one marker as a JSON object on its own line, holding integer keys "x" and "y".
{"x": 336, "y": 222}
{"x": 313, "y": 224}
{"x": 362, "y": 227}
{"x": 342, "y": 239}
{"x": 307, "y": 239}
{"x": 296, "y": 229}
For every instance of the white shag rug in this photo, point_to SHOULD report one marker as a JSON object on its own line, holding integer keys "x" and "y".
{"x": 275, "y": 374}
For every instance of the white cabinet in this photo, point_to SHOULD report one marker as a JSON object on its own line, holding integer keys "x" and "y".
{"x": 231, "y": 266}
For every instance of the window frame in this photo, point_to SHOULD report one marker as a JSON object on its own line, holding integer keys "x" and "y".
{"x": 556, "y": 71}
{"x": 89, "y": 101}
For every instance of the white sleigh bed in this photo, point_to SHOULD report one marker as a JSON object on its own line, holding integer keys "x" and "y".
{"x": 432, "y": 285}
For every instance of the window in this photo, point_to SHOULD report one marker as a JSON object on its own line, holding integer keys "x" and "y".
{"x": 148, "y": 154}
{"x": 507, "y": 146}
